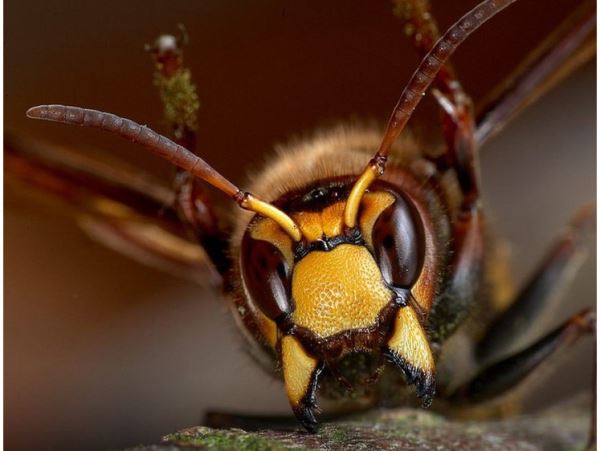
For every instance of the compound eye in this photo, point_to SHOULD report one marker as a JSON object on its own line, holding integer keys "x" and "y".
{"x": 399, "y": 243}
{"x": 267, "y": 277}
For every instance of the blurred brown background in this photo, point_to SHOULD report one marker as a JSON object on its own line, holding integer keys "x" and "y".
{"x": 101, "y": 352}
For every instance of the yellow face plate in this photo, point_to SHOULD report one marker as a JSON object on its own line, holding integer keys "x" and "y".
{"x": 338, "y": 290}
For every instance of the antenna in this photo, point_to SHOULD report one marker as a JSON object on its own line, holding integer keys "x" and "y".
{"x": 413, "y": 93}
{"x": 167, "y": 149}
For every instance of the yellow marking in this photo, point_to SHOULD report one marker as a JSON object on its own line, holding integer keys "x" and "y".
{"x": 410, "y": 342}
{"x": 267, "y": 327}
{"x": 310, "y": 224}
{"x": 338, "y": 290}
{"x": 358, "y": 190}
{"x": 316, "y": 224}
{"x": 423, "y": 289}
{"x": 268, "y": 230}
{"x": 285, "y": 222}
{"x": 113, "y": 209}
{"x": 298, "y": 368}
{"x": 331, "y": 219}
{"x": 158, "y": 238}
{"x": 149, "y": 234}
{"x": 372, "y": 206}
{"x": 498, "y": 273}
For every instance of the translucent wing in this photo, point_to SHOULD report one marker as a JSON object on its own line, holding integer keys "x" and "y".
{"x": 128, "y": 212}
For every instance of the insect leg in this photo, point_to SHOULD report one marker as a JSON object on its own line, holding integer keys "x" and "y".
{"x": 180, "y": 106}
{"x": 502, "y": 377}
{"x": 546, "y": 285}
{"x": 466, "y": 268}
{"x": 456, "y": 107}
{"x": 570, "y": 46}
{"x": 300, "y": 374}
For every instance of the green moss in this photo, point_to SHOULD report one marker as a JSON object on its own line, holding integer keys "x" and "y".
{"x": 180, "y": 100}
{"x": 336, "y": 434}
{"x": 226, "y": 440}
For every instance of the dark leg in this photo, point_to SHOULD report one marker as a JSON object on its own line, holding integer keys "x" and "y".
{"x": 467, "y": 229}
{"x": 456, "y": 108}
{"x": 458, "y": 127}
{"x": 455, "y": 303}
{"x": 546, "y": 284}
{"x": 181, "y": 104}
{"x": 504, "y": 376}
{"x": 193, "y": 206}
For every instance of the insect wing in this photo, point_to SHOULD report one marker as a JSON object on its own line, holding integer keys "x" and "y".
{"x": 128, "y": 212}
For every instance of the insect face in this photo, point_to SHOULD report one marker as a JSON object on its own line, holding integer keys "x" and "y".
{"x": 340, "y": 290}
{"x": 336, "y": 280}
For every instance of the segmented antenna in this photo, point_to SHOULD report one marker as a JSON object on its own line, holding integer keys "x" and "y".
{"x": 167, "y": 149}
{"x": 413, "y": 93}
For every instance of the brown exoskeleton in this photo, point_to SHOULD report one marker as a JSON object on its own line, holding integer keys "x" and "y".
{"x": 395, "y": 270}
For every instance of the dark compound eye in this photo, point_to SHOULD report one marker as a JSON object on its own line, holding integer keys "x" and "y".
{"x": 267, "y": 276}
{"x": 399, "y": 243}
